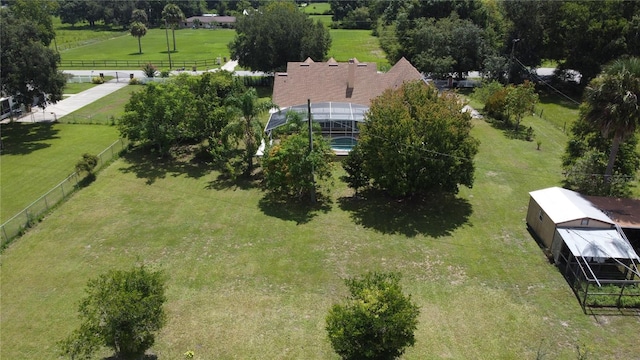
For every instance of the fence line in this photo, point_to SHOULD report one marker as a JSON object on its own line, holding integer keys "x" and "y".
{"x": 135, "y": 64}
{"x": 30, "y": 215}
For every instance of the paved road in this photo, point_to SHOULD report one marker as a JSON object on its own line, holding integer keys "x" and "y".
{"x": 77, "y": 101}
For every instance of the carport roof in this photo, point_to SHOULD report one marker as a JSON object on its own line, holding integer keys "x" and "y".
{"x": 597, "y": 243}
{"x": 562, "y": 205}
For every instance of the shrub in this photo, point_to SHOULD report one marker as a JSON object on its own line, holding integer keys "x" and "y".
{"x": 496, "y": 105}
{"x": 149, "y": 70}
{"x": 87, "y": 164}
{"x": 122, "y": 310}
{"x": 164, "y": 73}
{"x": 97, "y": 80}
{"x": 376, "y": 322}
{"x": 135, "y": 81}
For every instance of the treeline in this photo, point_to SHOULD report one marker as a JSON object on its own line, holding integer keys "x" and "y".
{"x": 119, "y": 13}
{"x": 458, "y": 36}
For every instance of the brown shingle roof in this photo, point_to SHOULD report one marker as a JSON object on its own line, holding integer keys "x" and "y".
{"x": 327, "y": 81}
{"x": 625, "y": 212}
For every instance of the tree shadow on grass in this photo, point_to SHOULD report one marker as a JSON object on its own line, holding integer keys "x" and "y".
{"x": 145, "y": 357}
{"x": 224, "y": 181}
{"x": 298, "y": 210}
{"x": 436, "y": 215}
{"x": 25, "y": 138}
{"x": 147, "y": 165}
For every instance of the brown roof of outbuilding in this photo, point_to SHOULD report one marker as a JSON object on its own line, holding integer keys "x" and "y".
{"x": 334, "y": 81}
{"x": 625, "y": 212}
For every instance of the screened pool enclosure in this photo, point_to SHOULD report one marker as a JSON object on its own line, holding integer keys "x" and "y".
{"x": 338, "y": 121}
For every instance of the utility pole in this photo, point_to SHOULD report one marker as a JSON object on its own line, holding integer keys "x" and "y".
{"x": 313, "y": 177}
{"x": 166, "y": 30}
{"x": 513, "y": 47}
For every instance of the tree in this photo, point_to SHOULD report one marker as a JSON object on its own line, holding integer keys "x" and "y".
{"x": 173, "y": 16}
{"x": 72, "y": 11}
{"x": 585, "y": 175}
{"x": 521, "y": 100}
{"x": 39, "y": 12}
{"x": 157, "y": 116}
{"x": 246, "y": 126}
{"x": 414, "y": 141}
{"x": 585, "y": 161}
{"x": 278, "y": 33}
{"x": 356, "y": 177}
{"x": 611, "y": 103}
{"x": 291, "y": 170}
{"x": 138, "y": 30}
{"x": 442, "y": 46}
{"x": 139, "y": 15}
{"x": 377, "y": 321}
{"x": 122, "y": 310}
{"x": 605, "y": 30}
{"x": 24, "y": 48}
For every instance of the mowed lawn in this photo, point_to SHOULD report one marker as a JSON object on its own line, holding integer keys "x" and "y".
{"x": 191, "y": 44}
{"x": 203, "y": 44}
{"x": 38, "y": 156}
{"x": 249, "y": 280}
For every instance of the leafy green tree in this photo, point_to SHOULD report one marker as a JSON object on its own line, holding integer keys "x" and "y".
{"x": 442, "y": 46}
{"x": 521, "y": 100}
{"x": 611, "y": 103}
{"x": 122, "y": 310}
{"x": 288, "y": 165}
{"x": 415, "y": 141}
{"x": 156, "y": 116}
{"x": 356, "y": 177}
{"x": 138, "y": 30}
{"x": 23, "y": 48}
{"x": 212, "y": 114}
{"x": 377, "y": 321}
{"x": 173, "y": 16}
{"x": 246, "y": 126}
{"x": 586, "y": 176}
{"x": 278, "y": 33}
{"x": 72, "y": 11}
{"x": 605, "y": 30}
{"x": 39, "y": 12}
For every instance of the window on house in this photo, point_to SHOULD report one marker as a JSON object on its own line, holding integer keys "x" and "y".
{"x": 540, "y": 215}
{"x": 584, "y": 222}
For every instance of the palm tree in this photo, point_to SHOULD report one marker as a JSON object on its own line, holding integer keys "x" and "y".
{"x": 173, "y": 15}
{"x": 139, "y": 15}
{"x": 138, "y": 30}
{"x": 611, "y": 103}
{"x": 246, "y": 126}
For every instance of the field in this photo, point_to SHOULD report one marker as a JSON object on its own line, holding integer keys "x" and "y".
{"x": 248, "y": 279}
{"x": 36, "y": 157}
{"x": 202, "y": 44}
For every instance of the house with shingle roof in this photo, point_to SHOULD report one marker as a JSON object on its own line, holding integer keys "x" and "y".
{"x": 339, "y": 94}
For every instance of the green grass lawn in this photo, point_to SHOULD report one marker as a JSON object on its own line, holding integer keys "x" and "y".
{"x": 74, "y": 88}
{"x": 317, "y": 8}
{"x": 103, "y": 111}
{"x": 191, "y": 44}
{"x": 251, "y": 280}
{"x": 81, "y": 34}
{"x": 36, "y": 157}
{"x": 347, "y": 44}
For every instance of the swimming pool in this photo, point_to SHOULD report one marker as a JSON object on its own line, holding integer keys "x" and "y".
{"x": 343, "y": 144}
